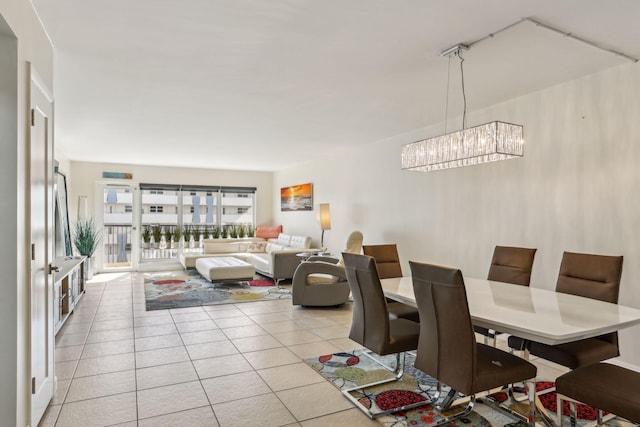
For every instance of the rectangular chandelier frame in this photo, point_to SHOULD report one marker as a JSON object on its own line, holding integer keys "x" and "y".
{"x": 485, "y": 143}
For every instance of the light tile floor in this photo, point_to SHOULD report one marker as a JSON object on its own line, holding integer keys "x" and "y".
{"x": 224, "y": 365}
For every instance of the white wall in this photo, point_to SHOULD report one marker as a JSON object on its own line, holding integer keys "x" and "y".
{"x": 34, "y": 46}
{"x": 576, "y": 189}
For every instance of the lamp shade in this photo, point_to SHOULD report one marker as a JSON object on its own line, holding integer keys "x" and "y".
{"x": 325, "y": 216}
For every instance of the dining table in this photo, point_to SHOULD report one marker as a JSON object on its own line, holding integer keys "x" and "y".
{"x": 530, "y": 313}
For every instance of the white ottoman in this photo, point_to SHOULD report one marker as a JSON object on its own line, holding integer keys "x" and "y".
{"x": 225, "y": 269}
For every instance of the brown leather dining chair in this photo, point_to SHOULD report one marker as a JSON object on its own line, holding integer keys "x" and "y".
{"x": 591, "y": 276}
{"x": 372, "y": 327}
{"x": 447, "y": 348}
{"x": 509, "y": 265}
{"x": 388, "y": 265}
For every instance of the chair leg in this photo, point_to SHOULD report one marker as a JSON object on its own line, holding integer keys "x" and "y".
{"x": 467, "y": 410}
{"x": 448, "y": 399}
{"x": 491, "y": 335}
{"x": 531, "y": 393}
{"x": 559, "y": 401}
{"x": 573, "y": 411}
{"x": 399, "y": 372}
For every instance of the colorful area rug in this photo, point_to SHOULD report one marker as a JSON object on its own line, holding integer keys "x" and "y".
{"x": 189, "y": 289}
{"x": 347, "y": 370}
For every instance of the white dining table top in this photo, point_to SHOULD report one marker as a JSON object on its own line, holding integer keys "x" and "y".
{"x": 535, "y": 314}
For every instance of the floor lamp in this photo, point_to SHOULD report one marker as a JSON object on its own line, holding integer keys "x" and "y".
{"x": 325, "y": 221}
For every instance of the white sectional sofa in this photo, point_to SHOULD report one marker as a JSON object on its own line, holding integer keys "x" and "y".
{"x": 275, "y": 258}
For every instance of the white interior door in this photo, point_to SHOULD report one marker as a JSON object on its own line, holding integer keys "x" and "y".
{"x": 41, "y": 233}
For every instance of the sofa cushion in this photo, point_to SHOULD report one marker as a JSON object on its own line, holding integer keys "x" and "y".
{"x": 284, "y": 239}
{"x": 272, "y": 247}
{"x": 301, "y": 242}
{"x": 316, "y": 278}
{"x": 268, "y": 232}
{"x": 257, "y": 247}
{"x": 260, "y": 261}
{"x": 221, "y": 247}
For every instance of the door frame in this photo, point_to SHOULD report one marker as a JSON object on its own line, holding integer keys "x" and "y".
{"x": 41, "y": 101}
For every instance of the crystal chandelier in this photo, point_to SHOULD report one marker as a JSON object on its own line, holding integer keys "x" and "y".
{"x": 489, "y": 142}
{"x": 480, "y": 144}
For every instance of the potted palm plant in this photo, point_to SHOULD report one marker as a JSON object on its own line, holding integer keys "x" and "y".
{"x": 197, "y": 236}
{"x": 169, "y": 232}
{"x": 156, "y": 233}
{"x": 85, "y": 239}
{"x": 188, "y": 236}
{"x": 177, "y": 236}
{"x": 146, "y": 236}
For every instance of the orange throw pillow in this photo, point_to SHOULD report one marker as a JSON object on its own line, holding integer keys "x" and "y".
{"x": 268, "y": 232}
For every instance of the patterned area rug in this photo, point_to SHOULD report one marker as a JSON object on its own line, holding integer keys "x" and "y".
{"x": 189, "y": 289}
{"x": 346, "y": 370}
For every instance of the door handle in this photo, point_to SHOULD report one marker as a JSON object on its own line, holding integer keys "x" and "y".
{"x": 53, "y": 268}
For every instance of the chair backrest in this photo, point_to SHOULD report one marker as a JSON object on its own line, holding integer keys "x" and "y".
{"x": 591, "y": 276}
{"x": 387, "y": 259}
{"x": 354, "y": 244}
{"x": 370, "y": 324}
{"x": 512, "y": 265}
{"x": 447, "y": 346}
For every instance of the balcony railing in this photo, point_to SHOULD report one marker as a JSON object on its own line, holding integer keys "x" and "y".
{"x": 116, "y": 246}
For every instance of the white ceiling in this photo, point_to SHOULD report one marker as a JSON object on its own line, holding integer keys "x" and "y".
{"x": 266, "y": 84}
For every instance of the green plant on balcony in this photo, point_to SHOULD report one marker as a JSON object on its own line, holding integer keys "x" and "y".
{"x": 156, "y": 232}
{"x": 241, "y": 231}
{"x": 169, "y": 232}
{"x": 188, "y": 233}
{"x": 251, "y": 232}
{"x": 197, "y": 234}
{"x": 233, "y": 232}
{"x": 216, "y": 232}
{"x": 208, "y": 231}
{"x": 177, "y": 234}
{"x": 146, "y": 235}
{"x": 225, "y": 232}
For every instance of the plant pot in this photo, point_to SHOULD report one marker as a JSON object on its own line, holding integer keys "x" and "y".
{"x": 88, "y": 268}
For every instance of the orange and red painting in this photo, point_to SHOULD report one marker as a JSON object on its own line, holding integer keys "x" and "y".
{"x": 297, "y": 198}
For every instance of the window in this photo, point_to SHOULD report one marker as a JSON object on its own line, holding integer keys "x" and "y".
{"x": 175, "y": 205}
{"x": 128, "y": 208}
